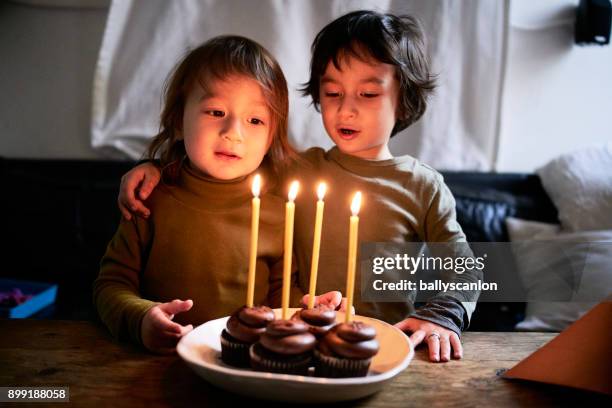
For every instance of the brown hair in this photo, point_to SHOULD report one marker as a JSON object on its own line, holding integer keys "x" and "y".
{"x": 395, "y": 40}
{"x": 219, "y": 58}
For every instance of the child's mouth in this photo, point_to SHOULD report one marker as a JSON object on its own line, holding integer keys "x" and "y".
{"x": 347, "y": 133}
{"x": 229, "y": 156}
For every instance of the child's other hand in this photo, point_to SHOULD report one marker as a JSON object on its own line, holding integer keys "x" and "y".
{"x": 438, "y": 339}
{"x": 159, "y": 333}
{"x": 136, "y": 185}
{"x": 332, "y": 299}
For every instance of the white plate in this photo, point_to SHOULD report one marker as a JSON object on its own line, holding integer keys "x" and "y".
{"x": 201, "y": 350}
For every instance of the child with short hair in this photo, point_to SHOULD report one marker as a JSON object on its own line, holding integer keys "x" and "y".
{"x": 225, "y": 114}
{"x": 370, "y": 77}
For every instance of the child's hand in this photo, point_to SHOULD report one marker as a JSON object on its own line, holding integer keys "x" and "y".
{"x": 439, "y": 340}
{"x": 159, "y": 333}
{"x": 332, "y": 299}
{"x": 142, "y": 179}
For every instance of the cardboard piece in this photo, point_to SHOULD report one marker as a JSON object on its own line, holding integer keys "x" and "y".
{"x": 579, "y": 357}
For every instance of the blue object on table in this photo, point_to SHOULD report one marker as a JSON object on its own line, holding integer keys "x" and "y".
{"x": 43, "y": 294}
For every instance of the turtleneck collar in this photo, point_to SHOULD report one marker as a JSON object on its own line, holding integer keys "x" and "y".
{"x": 361, "y": 166}
{"x": 205, "y": 192}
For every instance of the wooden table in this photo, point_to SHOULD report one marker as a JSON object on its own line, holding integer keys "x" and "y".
{"x": 102, "y": 372}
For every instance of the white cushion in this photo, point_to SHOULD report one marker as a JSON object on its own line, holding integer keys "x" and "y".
{"x": 540, "y": 247}
{"x": 580, "y": 186}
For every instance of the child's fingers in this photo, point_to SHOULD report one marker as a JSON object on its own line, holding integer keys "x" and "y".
{"x": 139, "y": 208}
{"x": 124, "y": 211}
{"x": 148, "y": 184}
{"x": 186, "y": 329}
{"x": 417, "y": 337}
{"x": 176, "y": 306}
{"x": 183, "y": 330}
{"x": 171, "y": 336}
{"x": 457, "y": 347}
{"x": 445, "y": 348}
{"x": 129, "y": 185}
{"x": 343, "y": 306}
{"x": 162, "y": 323}
{"x": 332, "y": 298}
{"x": 404, "y": 325}
{"x": 433, "y": 344}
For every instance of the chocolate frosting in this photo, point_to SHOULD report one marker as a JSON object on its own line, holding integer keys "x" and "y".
{"x": 248, "y": 323}
{"x": 281, "y": 328}
{"x": 351, "y": 340}
{"x": 320, "y": 319}
{"x": 288, "y": 337}
{"x": 355, "y": 331}
{"x": 318, "y": 316}
{"x": 256, "y": 316}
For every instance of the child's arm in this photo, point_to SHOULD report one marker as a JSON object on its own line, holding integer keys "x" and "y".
{"x": 116, "y": 291}
{"x": 441, "y": 226}
{"x": 441, "y": 321}
{"x": 136, "y": 186}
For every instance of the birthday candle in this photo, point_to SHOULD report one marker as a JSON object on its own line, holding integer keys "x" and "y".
{"x": 255, "y": 188}
{"x": 352, "y": 254}
{"x": 316, "y": 244}
{"x": 288, "y": 247}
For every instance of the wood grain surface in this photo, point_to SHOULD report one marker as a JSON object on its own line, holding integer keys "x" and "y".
{"x": 103, "y": 372}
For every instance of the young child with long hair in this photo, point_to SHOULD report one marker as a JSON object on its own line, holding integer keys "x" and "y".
{"x": 224, "y": 118}
{"x": 370, "y": 78}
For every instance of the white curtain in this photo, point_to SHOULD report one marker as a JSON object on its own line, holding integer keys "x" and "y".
{"x": 144, "y": 40}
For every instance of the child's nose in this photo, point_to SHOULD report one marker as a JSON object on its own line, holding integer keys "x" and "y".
{"x": 348, "y": 107}
{"x": 232, "y": 130}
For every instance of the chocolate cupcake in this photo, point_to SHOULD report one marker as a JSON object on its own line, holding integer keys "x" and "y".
{"x": 242, "y": 330}
{"x": 346, "y": 351}
{"x": 286, "y": 347}
{"x": 319, "y": 319}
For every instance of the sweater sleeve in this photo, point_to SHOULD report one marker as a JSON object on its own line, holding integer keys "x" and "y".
{"x": 275, "y": 291}
{"x": 116, "y": 291}
{"x": 451, "y": 309}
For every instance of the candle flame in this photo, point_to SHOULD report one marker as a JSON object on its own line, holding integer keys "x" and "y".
{"x": 356, "y": 204}
{"x": 293, "y": 190}
{"x": 256, "y": 187}
{"x": 321, "y": 190}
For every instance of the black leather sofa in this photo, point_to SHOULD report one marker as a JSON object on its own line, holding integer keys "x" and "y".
{"x": 60, "y": 214}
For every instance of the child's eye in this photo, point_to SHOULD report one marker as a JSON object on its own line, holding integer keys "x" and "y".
{"x": 215, "y": 113}
{"x": 332, "y": 94}
{"x": 256, "y": 121}
{"x": 369, "y": 94}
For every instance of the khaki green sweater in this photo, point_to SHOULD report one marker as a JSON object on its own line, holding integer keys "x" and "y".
{"x": 195, "y": 245}
{"x": 404, "y": 200}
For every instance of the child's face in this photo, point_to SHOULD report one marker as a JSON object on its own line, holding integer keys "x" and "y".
{"x": 359, "y": 105}
{"x": 227, "y": 132}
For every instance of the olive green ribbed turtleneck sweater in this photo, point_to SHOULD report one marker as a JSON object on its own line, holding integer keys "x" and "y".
{"x": 195, "y": 245}
{"x": 404, "y": 200}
